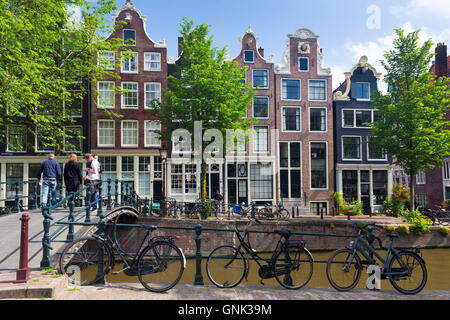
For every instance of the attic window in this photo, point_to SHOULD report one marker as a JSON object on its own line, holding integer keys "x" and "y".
{"x": 249, "y": 56}
{"x": 129, "y": 37}
{"x": 362, "y": 91}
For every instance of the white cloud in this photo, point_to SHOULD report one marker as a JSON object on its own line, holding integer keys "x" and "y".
{"x": 420, "y": 8}
{"x": 375, "y": 49}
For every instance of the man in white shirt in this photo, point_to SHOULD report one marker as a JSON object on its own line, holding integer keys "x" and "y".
{"x": 93, "y": 177}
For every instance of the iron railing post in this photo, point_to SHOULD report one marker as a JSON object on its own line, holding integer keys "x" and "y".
{"x": 99, "y": 200}
{"x": 198, "y": 256}
{"x": 16, "y": 203}
{"x": 88, "y": 205}
{"x": 108, "y": 207}
{"x": 46, "y": 262}
{"x": 71, "y": 233}
{"x": 122, "y": 199}
{"x": 116, "y": 202}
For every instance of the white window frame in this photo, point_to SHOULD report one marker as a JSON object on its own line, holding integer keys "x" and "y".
{"x": 36, "y": 143}
{"x": 81, "y": 140}
{"x": 268, "y": 79}
{"x": 99, "y": 104}
{"x": 123, "y": 37}
{"x": 371, "y": 118}
{"x": 112, "y": 64}
{"x": 283, "y": 129}
{"x": 268, "y": 108}
{"x": 122, "y": 135}
{"x": 446, "y": 170}
{"x": 299, "y": 90}
{"x": 421, "y": 177}
{"x": 326, "y": 164}
{"x": 255, "y": 140}
{"x": 25, "y": 142}
{"x": 289, "y": 168}
{"x": 354, "y": 118}
{"x": 123, "y": 97}
{"x": 342, "y": 148}
{"x": 98, "y": 132}
{"x": 326, "y": 90}
{"x": 146, "y": 132}
{"x": 145, "y": 93}
{"x": 147, "y": 55}
{"x": 325, "y": 201}
{"x": 245, "y": 61}
{"x": 363, "y": 99}
{"x": 307, "y": 58}
{"x": 368, "y": 154}
{"x": 122, "y": 60}
{"x": 326, "y": 119}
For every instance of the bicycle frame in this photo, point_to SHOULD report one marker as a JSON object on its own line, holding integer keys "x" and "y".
{"x": 368, "y": 251}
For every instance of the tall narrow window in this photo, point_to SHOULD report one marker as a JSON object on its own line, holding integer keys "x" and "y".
{"x": 249, "y": 56}
{"x": 129, "y": 95}
{"x": 74, "y": 143}
{"x": 291, "y": 119}
{"x": 130, "y": 62}
{"x": 129, "y": 37}
{"x": 290, "y": 89}
{"x": 144, "y": 176}
{"x": 303, "y": 64}
{"x": 129, "y": 133}
{"x": 16, "y": 138}
{"x": 43, "y": 141}
{"x": 261, "y": 107}
{"x": 319, "y": 165}
{"x": 351, "y": 148}
{"x": 362, "y": 91}
{"x": 318, "y": 119}
{"x": 106, "y": 133}
{"x": 127, "y": 168}
{"x": 106, "y": 94}
{"x": 261, "y": 79}
{"x": 106, "y": 59}
{"x": 152, "y": 138}
{"x": 261, "y": 181}
{"x": 261, "y": 140}
{"x": 152, "y": 91}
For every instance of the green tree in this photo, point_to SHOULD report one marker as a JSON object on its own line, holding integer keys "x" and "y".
{"x": 412, "y": 126}
{"x": 47, "y": 56}
{"x": 205, "y": 87}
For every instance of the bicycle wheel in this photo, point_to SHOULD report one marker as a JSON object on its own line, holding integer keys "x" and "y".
{"x": 226, "y": 267}
{"x": 89, "y": 257}
{"x": 293, "y": 267}
{"x": 160, "y": 266}
{"x": 284, "y": 214}
{"x": 342, "y": 273}
{"x": 443, "y": 219}
{"x": 416, "y": 279}
{"x": 264, "y": 212}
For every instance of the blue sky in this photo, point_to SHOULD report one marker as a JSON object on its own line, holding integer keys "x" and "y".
{"x": 342, "y": 25}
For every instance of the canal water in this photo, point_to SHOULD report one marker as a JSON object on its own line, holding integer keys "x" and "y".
{"x": 437, "y": 262}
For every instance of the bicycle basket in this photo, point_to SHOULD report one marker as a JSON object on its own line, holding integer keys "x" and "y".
{"x": 156, "y": 206}
{"x": 237, "y": 209}
{"x": 298, "y": 243}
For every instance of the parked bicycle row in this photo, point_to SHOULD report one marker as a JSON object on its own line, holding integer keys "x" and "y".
{"x": 437, "y": 214}
{"x": 159, "y": 262}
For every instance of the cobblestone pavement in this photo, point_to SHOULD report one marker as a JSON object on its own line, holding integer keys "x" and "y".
{"x": 134, "y": 291}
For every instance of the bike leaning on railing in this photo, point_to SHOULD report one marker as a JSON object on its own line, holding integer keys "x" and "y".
{"x": 404, "y": 267}
{"x": 159, "y": 265}
{"x": 274, "y": 211}
{"x": 291, "y": 264}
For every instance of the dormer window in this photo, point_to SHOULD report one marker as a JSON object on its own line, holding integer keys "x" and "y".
{"x": 303, "y": 64}
{"x": 129, "y": 37}
{"x": 249, "y": 56}
{"x": 362, "y": 91}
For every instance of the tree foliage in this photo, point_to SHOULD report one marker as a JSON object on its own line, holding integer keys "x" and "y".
{"x": 412, "y": 126}
{"x": 205, "y": 87}
{"x": 47, "y": 55}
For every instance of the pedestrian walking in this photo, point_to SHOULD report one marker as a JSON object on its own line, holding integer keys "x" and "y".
{"x": 93, "y": 176}
{"x": 73, "y": 177}
{"x": 50, "y": 171}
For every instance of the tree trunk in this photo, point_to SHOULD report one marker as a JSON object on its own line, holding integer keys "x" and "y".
{"x": 203, "y": 178}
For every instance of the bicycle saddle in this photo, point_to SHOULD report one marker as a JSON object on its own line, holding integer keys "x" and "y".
{"x": 286, "y": 233}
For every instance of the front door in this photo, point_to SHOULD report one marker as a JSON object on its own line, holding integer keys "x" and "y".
{"x": 365, "y": 198}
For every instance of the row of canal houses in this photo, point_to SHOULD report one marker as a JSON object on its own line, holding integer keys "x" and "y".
{"x": 310, "y": 141}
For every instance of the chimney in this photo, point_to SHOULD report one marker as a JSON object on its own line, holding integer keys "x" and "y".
{"x": 261, "y": 51}
{"x": 441, "y": 60}
{"x": 180, "y": 41}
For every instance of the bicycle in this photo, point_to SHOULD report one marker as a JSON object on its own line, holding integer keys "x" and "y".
{"x": 159, "y": 265}
{"x": 291, "y": 264}
{"x": 399, "y": 265}
{"x": 167, "y": 208}
{"x": 270, "y": 211}
{"x": 244, "y": 210}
